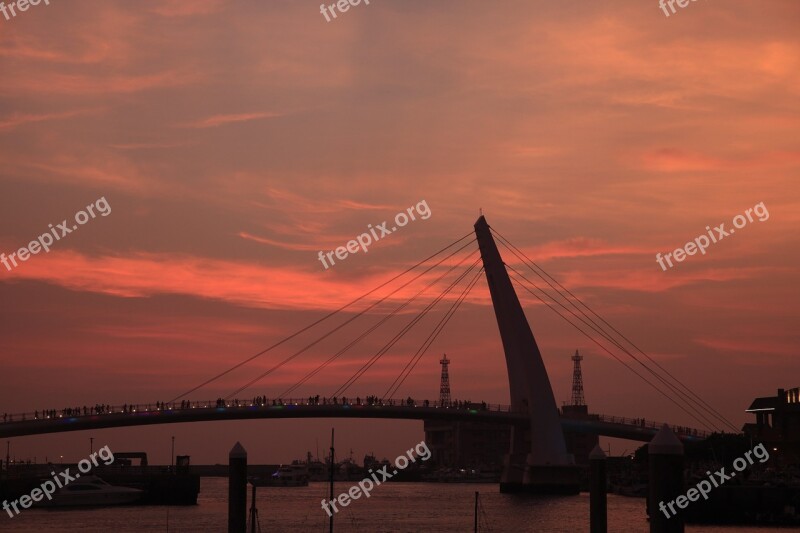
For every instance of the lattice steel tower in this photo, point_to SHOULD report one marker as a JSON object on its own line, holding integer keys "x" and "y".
{"x": 577, "y": 381}
{"x": 444, "y": 388}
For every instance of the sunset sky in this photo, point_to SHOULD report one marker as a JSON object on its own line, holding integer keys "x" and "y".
{"x": 234, "y": 140}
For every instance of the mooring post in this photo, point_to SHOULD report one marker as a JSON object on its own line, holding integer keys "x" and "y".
{"x": 476, "y": 513}
{"x": 598, "y": 508}
{"x": 237, "y": 490}
{"x": 665, "y": 485}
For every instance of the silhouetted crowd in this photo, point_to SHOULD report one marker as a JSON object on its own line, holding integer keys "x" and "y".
{"x": 260, "y": 401}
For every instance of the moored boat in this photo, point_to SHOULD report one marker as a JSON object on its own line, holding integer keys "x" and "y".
{"x": 294, "y": 475}
{"x": 92, "y": 491}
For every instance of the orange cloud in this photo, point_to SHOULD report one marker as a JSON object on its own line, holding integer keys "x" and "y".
{"x": 145, "y": 274}
{"x": 279, "y": 244}
{"x": 676, "y": 160}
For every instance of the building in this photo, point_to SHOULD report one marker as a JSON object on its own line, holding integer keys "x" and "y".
{"x": 777, "y": 423}
{"x": 467, "y": 444}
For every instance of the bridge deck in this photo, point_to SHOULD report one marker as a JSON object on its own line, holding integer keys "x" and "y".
{"x": 123, "y": 416}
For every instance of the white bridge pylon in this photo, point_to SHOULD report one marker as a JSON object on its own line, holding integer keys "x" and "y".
{"x": 528, "y": 382}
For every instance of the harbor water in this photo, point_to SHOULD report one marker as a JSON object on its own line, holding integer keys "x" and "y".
{"x": 392, "y": 508}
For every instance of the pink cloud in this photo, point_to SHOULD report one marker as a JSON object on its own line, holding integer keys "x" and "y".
{"x": 148, "y": 146}
{"x": 219, "y": 120}
{"x": 575, "y": 247}
{"x": 113, "y": 172}
{"x": 656, "y": 280}
{"x": 180, "y": 8}
{"x": 750, "y": 346}
{"x": 19, "y": 119}
{"x": 79, "y": 84}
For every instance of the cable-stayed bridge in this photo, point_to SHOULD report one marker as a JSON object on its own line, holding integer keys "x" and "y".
{"x": 538, "y": 459}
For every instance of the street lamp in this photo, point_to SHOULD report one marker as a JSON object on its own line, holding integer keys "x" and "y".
{"x": 172, "y": 457}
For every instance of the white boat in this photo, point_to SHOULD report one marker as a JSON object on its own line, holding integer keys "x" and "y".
{"x": 92, "y": 491}
{"x": 294, "y": 475}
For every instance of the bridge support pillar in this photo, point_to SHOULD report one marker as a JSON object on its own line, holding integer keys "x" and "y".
{"x": 598, "y": 505}
{"x": 513, "y": 476}
{"x": 237, "y": 490}
{"x": 515, "y": 462}
{"x": 665, "y": 483}
{"x": 522, "y": 473}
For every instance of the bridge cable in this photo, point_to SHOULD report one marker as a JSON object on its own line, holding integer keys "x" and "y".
{"x": 394, "y": 312}
{"x": 689, "y": 405}
{"x": 432, "y": 337}
{"x": 594, "y": 326}
{"x": 303, "y": 330}
{"x": 531, "y": 264}
{"x": 626, "y": 365}
{"x": 575, "y": 298}
{"x": 337, "y": 328}
{"x": 388, "y": 346}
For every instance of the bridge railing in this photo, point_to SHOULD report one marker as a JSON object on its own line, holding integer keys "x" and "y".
{"x": 262, "y": 403}
{"x": 266, "y": 403}
{"x": 650, "y": 424}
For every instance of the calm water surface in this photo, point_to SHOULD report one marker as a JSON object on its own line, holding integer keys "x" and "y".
{"x": 392, "y": 508}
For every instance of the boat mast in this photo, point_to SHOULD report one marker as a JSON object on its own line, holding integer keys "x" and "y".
{"x": 331, "y": 482}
